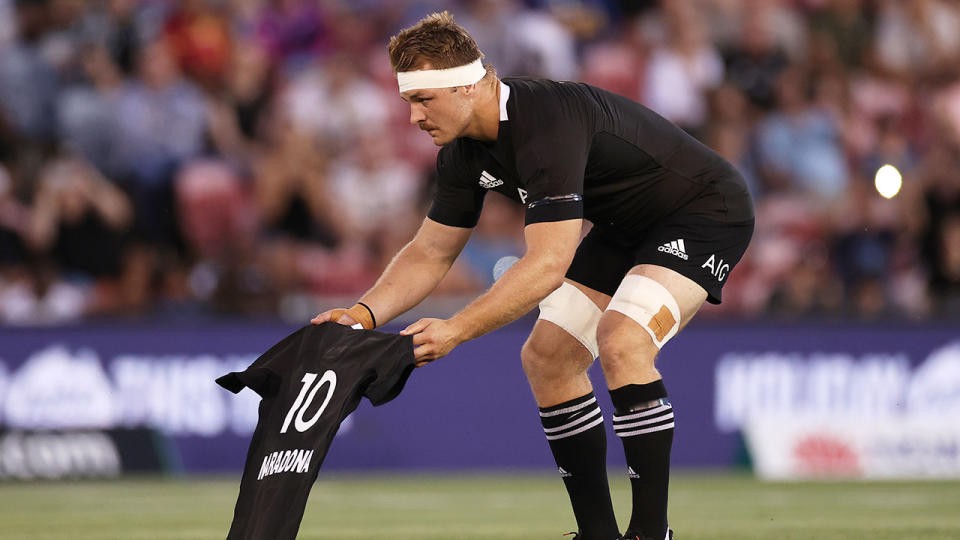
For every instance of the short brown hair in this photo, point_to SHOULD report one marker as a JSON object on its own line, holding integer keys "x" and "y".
{"x": 436, "y": 39}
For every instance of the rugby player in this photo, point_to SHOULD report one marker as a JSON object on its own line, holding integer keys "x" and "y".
{"x": 670, "y": 219}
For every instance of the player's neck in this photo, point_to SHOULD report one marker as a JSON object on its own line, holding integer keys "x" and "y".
{"x": 485, "y": 124}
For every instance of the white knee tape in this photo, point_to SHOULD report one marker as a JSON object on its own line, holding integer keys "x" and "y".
{"x": 650, "y": 304}
{"x": 570, "y": 309}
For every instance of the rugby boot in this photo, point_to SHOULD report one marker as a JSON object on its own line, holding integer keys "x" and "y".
{"x": 630, "y": 536}
{"x": 577, "y": 535}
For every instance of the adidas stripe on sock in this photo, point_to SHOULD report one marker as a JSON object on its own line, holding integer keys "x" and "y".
{"x": 659, "y": 417}
{"x": 572, "y": 419}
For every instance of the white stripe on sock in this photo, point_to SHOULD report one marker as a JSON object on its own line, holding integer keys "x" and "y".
{"x": 580, "y": 420}
{"x": 643, "y": 422}
{"x": 569, "y": 409}
{"x": 581, "y": 429}
{"x": 642, "y": 414}
{"x": 642, "y": 431}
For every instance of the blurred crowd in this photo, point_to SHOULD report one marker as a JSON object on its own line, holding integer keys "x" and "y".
{"x": 253, "y": 156}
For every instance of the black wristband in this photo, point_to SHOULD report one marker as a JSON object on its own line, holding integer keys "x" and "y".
{"x": 370, "y": 311}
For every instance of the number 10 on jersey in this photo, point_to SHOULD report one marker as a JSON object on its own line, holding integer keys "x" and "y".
{"x": 300, "y": 404}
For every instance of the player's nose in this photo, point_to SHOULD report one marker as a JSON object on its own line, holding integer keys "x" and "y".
{"x": 416, "y": 115}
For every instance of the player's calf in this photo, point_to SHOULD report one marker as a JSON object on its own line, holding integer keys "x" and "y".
{"x": 644, "y": 422}
{"x": 578, "y": 442}
{"x": 556, "y": 365}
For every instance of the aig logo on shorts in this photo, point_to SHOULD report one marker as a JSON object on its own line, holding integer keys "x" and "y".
{"x": 718, "y": 269}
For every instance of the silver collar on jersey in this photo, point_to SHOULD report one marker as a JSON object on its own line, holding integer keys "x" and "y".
{"x": 504, "y": 95}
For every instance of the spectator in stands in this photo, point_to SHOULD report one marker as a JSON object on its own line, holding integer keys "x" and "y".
{"x": 334, "y": 100}
{"x": 378, "y": 195}
{"x": 199, "y": 38}
{"x": 844, "y": 24}
{"x": 730, "y": 130}
{"x": 864, "y": 237}
{"x": 79, "y": 224}
{"x": 87, "y": 112}
{"x": 28, "y": 79}
{"x": 616, "y": 64}
{"x": 291, "y": 189}
{"x": 162, "y": 123}
{"x": 918, "y": 37}
{"x": 14, "y": 225}
{"x": 301, "y": 223}
{"x": 238, "y": 114}
{"x": 799, "y": 145}
{"x": 682, "y": 69}
{"x": 219, "y": 225}
{"x": 119, "y": 26}
{"x": 754, "y": 63}
{"x": 938, "y": 206}
{"x": 293, "y": 32}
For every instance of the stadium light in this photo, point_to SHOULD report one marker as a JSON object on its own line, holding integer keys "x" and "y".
{"x": 888, "y": 181}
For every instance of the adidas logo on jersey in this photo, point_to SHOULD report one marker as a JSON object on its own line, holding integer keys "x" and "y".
{"x": 632, "y": 473}
{"x": 675, "y": 248}
{"x": 488, "y": 181}
{"x": 564, "y": 473}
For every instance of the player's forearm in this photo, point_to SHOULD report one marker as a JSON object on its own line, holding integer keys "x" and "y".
{"x": 518, "y": 291}
{"x": 409, "y": 278}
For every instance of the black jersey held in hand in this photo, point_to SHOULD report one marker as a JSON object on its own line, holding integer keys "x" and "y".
{"x": 309, "y": 383}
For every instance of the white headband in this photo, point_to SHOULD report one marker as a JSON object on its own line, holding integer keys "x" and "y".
{"x": 464, "y": 75}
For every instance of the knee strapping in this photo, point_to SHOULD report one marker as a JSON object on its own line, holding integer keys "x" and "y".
{"x": 569, "y": 308}
{"x": 650, "y": 304}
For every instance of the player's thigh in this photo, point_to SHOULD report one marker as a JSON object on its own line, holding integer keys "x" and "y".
{"x": 575, "y": 308}
{"x": 645, "y": 314}
{"x": 689, "y": 295}
{"x": 563, "y": 341}
{"x": 680, "y": 263}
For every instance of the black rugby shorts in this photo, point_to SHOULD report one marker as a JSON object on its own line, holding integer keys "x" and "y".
{"x": 700, "y": 249}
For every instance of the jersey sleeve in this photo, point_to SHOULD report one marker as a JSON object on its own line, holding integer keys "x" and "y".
{"x": 394, "y": 363}
{"x": 551, "y": 158}
{"x": 263, "y": 376}
{"x": 457, "y": 203}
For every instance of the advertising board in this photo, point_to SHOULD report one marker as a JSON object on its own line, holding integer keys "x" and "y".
{"x": 473, "y": 409}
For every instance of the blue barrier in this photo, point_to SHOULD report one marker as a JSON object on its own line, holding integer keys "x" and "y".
{"x": 473, "y": 409}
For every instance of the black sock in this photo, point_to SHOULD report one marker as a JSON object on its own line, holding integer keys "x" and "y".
{"x": 578, "y": 441}
{"x": 644, "y": 422}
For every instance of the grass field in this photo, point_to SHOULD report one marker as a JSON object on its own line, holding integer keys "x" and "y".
{"x": 704, "y": 506}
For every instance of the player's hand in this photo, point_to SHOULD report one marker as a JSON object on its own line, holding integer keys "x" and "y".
{"x": 330, "y": 314}
{"x": 432, "y": 339}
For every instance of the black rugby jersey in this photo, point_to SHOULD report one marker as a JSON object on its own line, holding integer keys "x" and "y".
{"x": 310, "y": 382}
{"x": 570, "y": 150}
